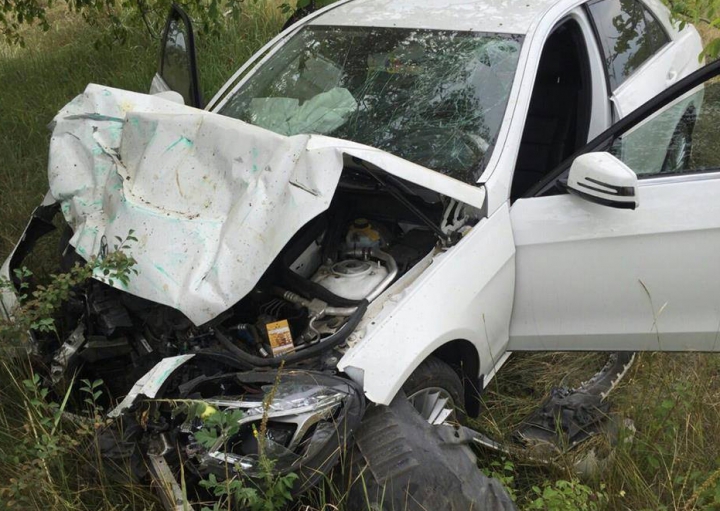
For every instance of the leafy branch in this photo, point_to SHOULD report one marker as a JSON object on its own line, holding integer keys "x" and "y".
{"x": 37, "y": 308}
{"x": 118, "y": 16}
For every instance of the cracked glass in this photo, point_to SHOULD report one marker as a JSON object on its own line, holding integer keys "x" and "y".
{"x": 436, "y": 98}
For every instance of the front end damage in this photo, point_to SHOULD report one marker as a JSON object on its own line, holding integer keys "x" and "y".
{"x": 167, "y": 421}
{"x": 256, "y": 257}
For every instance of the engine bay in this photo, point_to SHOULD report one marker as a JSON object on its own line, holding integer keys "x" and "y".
{"x": 301, "y": 311}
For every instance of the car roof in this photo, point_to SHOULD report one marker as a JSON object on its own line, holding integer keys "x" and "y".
{"x": 505, "y": 16}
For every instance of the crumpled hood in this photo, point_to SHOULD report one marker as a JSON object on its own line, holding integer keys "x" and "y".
{"x": 212, "y": 200}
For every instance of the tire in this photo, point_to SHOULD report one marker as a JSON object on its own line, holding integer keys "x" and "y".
{"x": 436, "y": 392}
{"x": 400, "y": 462}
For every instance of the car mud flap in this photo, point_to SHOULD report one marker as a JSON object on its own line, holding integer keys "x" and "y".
{"x": 401, "y": 462}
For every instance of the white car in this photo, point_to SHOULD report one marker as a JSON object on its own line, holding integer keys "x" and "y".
{"x": 400, "y": 193}
{"x": 495, "y": 96}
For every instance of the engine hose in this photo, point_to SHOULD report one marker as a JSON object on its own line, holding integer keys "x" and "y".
{"x": 307, "y": 287}
{"x": 291, "y": 358}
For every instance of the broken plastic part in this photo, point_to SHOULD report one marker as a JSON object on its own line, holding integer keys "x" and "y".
{"x": 401, "y": 461}
{"x": 310, "y": 419}
{"x": 570, "y": 416}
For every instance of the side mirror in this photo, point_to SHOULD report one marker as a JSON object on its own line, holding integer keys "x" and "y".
{"x": 177, "y": 70}
{"x": 602, "y": 178}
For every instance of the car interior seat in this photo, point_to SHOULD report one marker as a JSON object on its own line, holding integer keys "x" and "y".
{"x": 554, "y": 125}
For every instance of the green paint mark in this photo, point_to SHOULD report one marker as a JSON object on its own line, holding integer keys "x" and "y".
{"x": 162, "y": 270}
{"x": 186, "y": 142}
{"x": 254, "y": 154}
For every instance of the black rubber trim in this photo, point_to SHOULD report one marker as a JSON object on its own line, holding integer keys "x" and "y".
{"x": 40, "y": 224}
{"x": 176, "y": 12}
{"x": 601, "y": 50}
{"x": 601, "y": 201}
{"x": 620, "y": 191}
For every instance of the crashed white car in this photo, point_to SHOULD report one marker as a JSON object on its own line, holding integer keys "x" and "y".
{"x": 397, "y": 195}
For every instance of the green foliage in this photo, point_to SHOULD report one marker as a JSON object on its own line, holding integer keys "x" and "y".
{"x": 38, "y": 307}
{"x": 13, "y": 15}
{"x": 117, "y": 16}
{"x": 217, "y": 425}
{"x": 551, "y": 495}
{"x": 503, "y": 471}
{"x": 699, "y": 12}
{"x": 269, "y": 498}
{"x": 35, "y": 453}
{"x": 564, "y": 495}
{"x": 42, "y": 448}
{"x": 39, "y": 455}
{"x": 268, "y": 492}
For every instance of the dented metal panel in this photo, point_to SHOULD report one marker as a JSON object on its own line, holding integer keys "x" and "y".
{"x": 211, "y": 200}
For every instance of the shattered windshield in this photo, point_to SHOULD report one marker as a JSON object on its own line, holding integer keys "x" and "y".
{"x": 436, "y": 98}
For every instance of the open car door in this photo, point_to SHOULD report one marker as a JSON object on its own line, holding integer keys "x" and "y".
{"x": 177, "y": 69}
{"x": 619, "y": 248}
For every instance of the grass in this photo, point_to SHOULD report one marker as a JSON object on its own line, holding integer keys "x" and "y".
{"x": 674, "y": 403}
{"x": 674, "y": 399}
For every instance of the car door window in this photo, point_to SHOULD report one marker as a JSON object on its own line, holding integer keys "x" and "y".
{"x": 629, "y": 35}
{"x": 686, "y": 130}
{"x": 178, "y": 67}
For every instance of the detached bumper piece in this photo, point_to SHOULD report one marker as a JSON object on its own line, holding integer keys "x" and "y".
{"x": 174, "y": 440}
{"x": 564, "y": 420}
{"x": 570, "y": 416}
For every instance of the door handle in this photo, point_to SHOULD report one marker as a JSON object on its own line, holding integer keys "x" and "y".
{"x": 671, "y": 76}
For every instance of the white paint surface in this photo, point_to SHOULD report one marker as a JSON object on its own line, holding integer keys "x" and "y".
{"x": 595, "y": 278}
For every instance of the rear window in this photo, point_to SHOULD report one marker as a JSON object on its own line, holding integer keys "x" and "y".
{"x": 629, "y": 35}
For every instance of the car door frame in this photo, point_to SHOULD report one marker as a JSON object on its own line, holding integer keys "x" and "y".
{"x": 523, "y": 335}
{"x": 605, "y": 139}
{"x": 662, "y": 69}
{"x": 498, "y": 174}
{"x": 159, "y": 84}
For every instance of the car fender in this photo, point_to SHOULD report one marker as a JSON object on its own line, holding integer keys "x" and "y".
{"x": 466, "y": 292}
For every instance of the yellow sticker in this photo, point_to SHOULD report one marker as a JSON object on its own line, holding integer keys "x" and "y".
{"x": 281, "y": 340}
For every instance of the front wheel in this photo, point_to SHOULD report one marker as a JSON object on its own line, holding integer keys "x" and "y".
{"x": 434, "y": 389}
